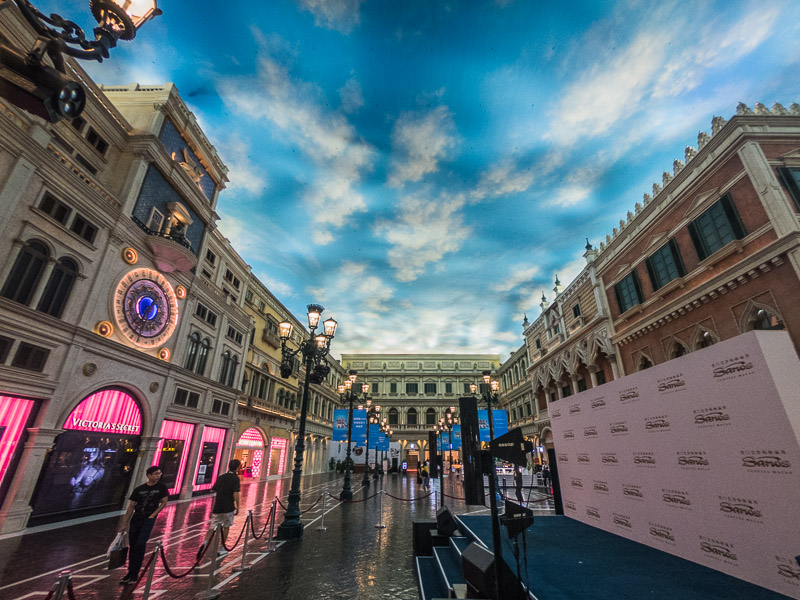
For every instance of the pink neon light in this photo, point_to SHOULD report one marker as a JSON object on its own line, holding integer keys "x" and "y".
{"x": 210, "y": 434}
{"x": 255, "y": 466}
{"x": 280, "y": 443}
{"x": 175, "y": 430}
{"x": 14, "y": 414}
{"x": 251, "y": 438}
{"x": 111, "y": 411}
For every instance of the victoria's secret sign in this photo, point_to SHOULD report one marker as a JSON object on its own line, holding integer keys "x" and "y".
{"x": 108, "y": 411}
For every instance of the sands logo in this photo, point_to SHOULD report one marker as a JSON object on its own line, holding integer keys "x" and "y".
{"x": 590, "y": 431}
{"x": 619, "y": 428}
{"x": 555, "y": 414}
{"x": 711, "y": 416}
{"x": 562, "y": 458}
{"x": 662, "y": 533}
{"x": 601, "y": 486}
{"x": 672, "y": 383}
{"x": 576, "y": 483}
{"x": 591, "y": 511}
{"x": 656, "y": 423}
{"x": 734, "y": 367}
{"x": 768, "y": 461}
{"x": 568, "y": 434}
{"x": 740, "y": 508}
{"x": 632, "y": 491}
{"x": 629, "y": 395}
{"x": 789, "y": 571}
{"x": 644, "y": 458}
{"x": 718, "y": 550}
{"x": 609, "y": 459}
{"x": 693, "y": 460}
{"x": 598, "y": 403}
{"x": 569, "y": 505}
{"x": 679, "y": 499}
{"x": 737, "y": 366}
{"x": 574, "y": 409}
{"x": 584, "y": 458}
{"x": 622, "y": 521}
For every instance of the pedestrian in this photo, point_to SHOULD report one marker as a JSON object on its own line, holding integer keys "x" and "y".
{"x": 426, "y": 476}
{"x": 226, "y": 506}
{"x": 546, "y": 475}
{"x": 518, "y": 483}
{"x": 146, "y": 501}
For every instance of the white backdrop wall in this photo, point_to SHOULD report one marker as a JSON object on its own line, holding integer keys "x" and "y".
{"x": 698, "y": 457}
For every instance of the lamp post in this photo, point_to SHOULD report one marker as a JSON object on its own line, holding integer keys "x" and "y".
{"x": 447, "y": 423}
{"x": 489, "y": 389}
{"x": 387, "y": 432}
{"x": 314, "y": 350}
{"x": 373, "y": 416}
{"x": 349, "y": 395}
{"x": 34, "y": 86}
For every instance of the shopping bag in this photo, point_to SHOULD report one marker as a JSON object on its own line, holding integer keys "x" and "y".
{"x": 118, "y": 551}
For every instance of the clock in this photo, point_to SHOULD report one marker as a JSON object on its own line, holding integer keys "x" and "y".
{"x": 145, "y": 308}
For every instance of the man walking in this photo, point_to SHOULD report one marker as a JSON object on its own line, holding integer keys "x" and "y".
{"x": 146, "y": 501}
{"x": 518, "y": 483}
{"x": 226, "y": 505}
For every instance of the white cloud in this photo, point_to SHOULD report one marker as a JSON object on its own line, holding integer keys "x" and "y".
{"x": 341, "y": 15}
{"x": 502, "y": 179}
{"x": 324, "y": 136}
{"x": 576, "y": 187}
{"x": 351, "y": 95}
{"x": 419, "y": 142}
{"x": 423, "y": 232}
{"x": 243, "y": 174}
{"x": 520, "y": 275}
{"x": 278, "y": 288}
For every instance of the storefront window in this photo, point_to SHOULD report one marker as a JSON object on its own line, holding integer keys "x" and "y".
{"x": 92, "y": 462}
{"x": 173, "y": 452}
{"x": 14, "y": 417}
{"x": 277, "y": 455}
{"x": 207, "y": 467}
{"x": 250, "y": 452}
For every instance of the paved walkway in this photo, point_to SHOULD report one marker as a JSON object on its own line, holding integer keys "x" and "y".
{"x": 352, "y": 559}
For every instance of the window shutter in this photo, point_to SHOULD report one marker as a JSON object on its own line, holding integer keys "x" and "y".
{"x": 676, "y": 255}
{"x": 791, "y": 184}
{"x": 638, "y": 286}
{"x": 697, "y": 241}
{"x": 652, "y": 274}
{"x": 619, "y": 302}
{"x": 733, "y": 216}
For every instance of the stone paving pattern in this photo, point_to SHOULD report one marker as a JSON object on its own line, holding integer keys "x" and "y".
{"x": 352, "y": 559}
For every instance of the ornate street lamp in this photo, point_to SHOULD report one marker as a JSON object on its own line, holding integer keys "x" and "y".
{"x": 348, "y": 395}
{"x": 314, "y": 350}
{"x": 387, "y": 432}
{"x": 489, "y": 389}
{"x": 28, "y": 82}
{"x": 373, "y": 416}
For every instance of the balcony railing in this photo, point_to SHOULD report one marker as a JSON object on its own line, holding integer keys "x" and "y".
{"x": 178, "y": 239}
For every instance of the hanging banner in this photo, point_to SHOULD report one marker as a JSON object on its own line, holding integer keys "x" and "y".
{"x": 359, "y": 434}
{"x": 457, "y": 437}
{"x": 374, "y": 430}
{"x": 383, "y": 442}
{"x": 340, "y": 425}
{"x": 500, "y": 422}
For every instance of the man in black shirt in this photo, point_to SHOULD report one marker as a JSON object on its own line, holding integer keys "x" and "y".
{"x": 146, "y": 501}
{"x": 226, "y": 505}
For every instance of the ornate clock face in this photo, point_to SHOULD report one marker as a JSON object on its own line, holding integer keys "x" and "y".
{"x": 145, "y": 308}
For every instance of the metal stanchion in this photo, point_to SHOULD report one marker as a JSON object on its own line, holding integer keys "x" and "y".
{"x": 272, "y": 524}
{"x": 322, "y": 523}
{"x": 209, "y": 593}
{"x": 381, "y": 525}
{"x": 247, "y": 523}
{"x": 61, "y": 584}
{"x": 150, "y": 570}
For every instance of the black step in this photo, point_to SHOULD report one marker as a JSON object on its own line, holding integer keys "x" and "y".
{"x": 450, "y": 564}
{"x": 429, "y": 579}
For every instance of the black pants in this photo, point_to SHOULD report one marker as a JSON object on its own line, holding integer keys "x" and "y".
{"x": 519, "y": 495}
{"x": 138, "y": 534}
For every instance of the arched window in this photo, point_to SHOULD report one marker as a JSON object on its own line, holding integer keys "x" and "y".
{"x": 25, "y": 273}
{"x": 705, "y": 340}
{"x": 225, "y": 368}
{"x": 234, "y": 364}
{"x": 58, "y": 287}
{"x": 280, "y": 397}
{"x": 430, "y": 417}
{"x": 644, "y": 363}
{"x": 411, "y": 416}
{"x": 262, "y": 383}
{"x": 191, "y": 353}
{"x": 202, "y": 356}
{"x": 392, "y": 416}
{"x": 765, "y": 320}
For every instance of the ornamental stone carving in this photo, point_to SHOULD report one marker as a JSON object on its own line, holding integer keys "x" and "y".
{"x": 677, "y": 166}
{"x": 778, "y": 109}
{"x": 718, "y": 123}
{"x": 702, "y": 139}
{"x": 743, "y": 110}
{"x": 689, "y": 153}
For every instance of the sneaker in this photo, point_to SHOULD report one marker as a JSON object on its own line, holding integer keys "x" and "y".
{"x": 127, "y": 580}
{"x": 200, "y": 550}
{"x": 222, "y": 552}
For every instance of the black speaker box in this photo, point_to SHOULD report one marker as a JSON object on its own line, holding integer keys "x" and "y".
{"x": 445, "y": 523}
{"x": 478, "y": 566}
{"x": 421, "y": 537}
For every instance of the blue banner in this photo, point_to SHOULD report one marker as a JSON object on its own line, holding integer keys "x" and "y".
{"x": 383, "y": 442}
{"x": 500, "y": 422}
{"x": 456, "y": 437}
{"x": 340, "y": 425}
{"x": 359, "y": 434}
{"x": 374, "y": 430}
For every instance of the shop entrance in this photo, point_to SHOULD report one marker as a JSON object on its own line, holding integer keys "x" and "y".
{"x": 277, "y": 455}
{"x": 250, "y": 452}
{"x": 91, "y": 464}
{"x": 412, "y": 458}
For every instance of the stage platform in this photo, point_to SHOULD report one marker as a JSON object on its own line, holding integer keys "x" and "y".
{"x": 568, "y": 560}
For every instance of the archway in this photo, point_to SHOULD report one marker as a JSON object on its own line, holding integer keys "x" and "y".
{"x": 91, "y": 464}
{"x": 250, "y": 451}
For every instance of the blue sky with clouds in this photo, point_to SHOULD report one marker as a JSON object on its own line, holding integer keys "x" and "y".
{"x": 423, "y": 168}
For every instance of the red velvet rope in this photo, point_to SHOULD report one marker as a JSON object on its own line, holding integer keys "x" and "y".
{"x": 409, "y": 499}
{"x": 453, "y": 497}
{"x": 283, "y": 506}
{"x": 302, "y": 512}
{"x": 70, "y": 591}
{"x": 192, "y": 568}
{"x": 51, "y": 592}
{"x": 353, "y": 501}
{"x": 241, "y": 533}
{"x": 129, "y": 592}
{"x": 270, "y": 517}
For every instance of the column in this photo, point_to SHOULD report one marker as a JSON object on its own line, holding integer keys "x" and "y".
{"x": 145, "y": 456}
{"x": 17, "y": 509}
{"x": 614, "y": 366}
{"x": 191, "y": 463}
{"x": 559, "y": 391}
{"x": 593, "y": 375}
{"x": 573, "y": 377}
{"x": 43, "y": 279}
{"x": 18, "y": 179}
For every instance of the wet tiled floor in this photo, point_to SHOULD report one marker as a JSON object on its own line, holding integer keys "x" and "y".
{"x": 351, "y": 559}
